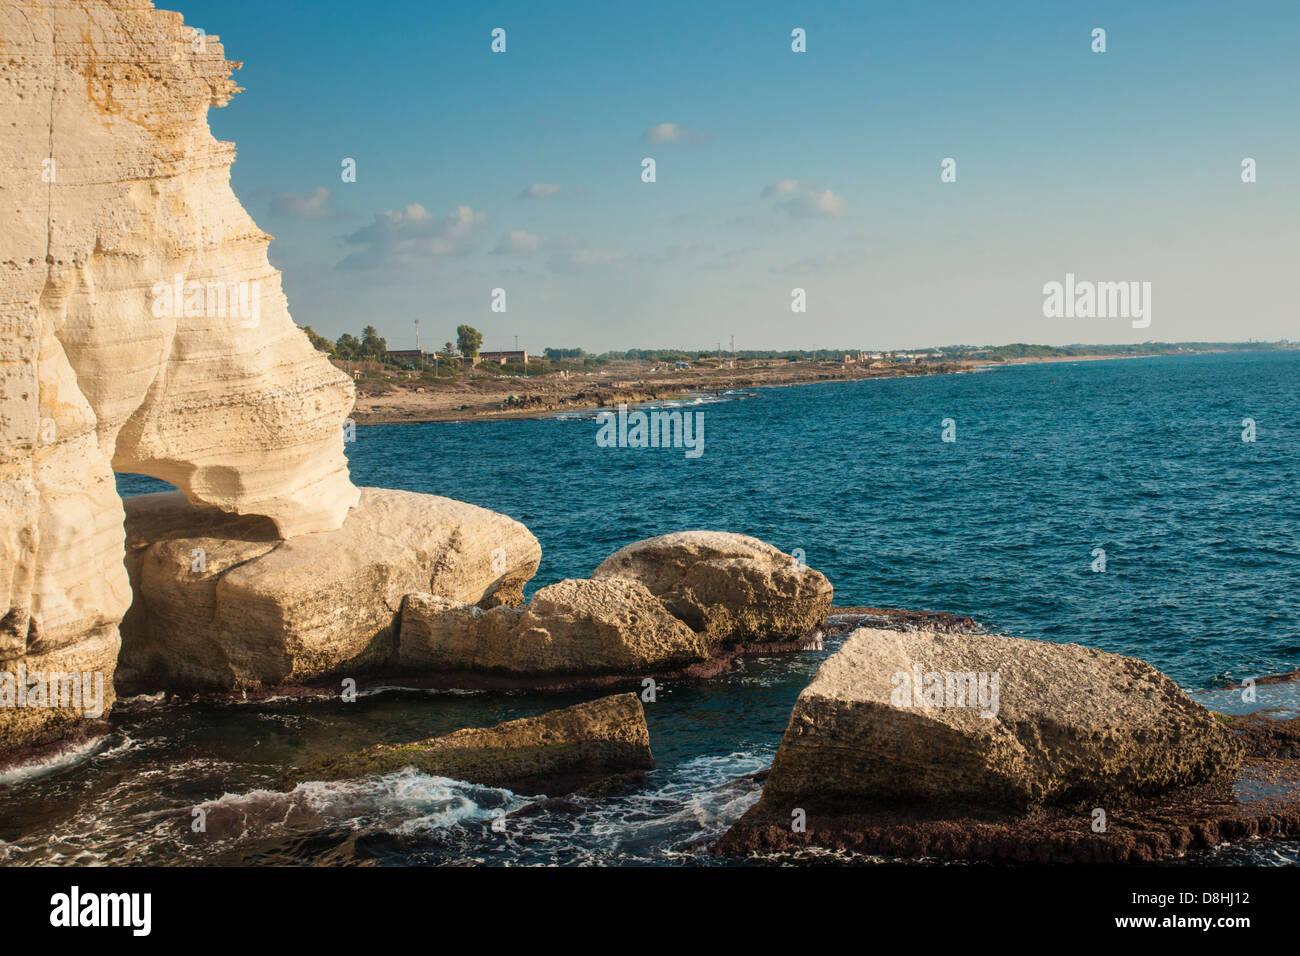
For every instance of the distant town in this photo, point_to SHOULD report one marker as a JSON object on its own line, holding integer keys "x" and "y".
{"x": 462, "y": 381}
{"x": 369, "y": 354}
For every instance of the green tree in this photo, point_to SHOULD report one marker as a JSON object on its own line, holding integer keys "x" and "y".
{"x": 468, "y": 339}
{"x": 372, "y": 345}
{"x": 318, "y": 342}
{"x": 347, "y": 347}
{"x": 557, "y": 354}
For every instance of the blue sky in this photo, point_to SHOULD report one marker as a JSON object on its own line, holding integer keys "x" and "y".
{"x": 775, "y": 170}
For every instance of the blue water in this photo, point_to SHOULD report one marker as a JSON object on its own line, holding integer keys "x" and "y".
{"x": 1143, "y": 458}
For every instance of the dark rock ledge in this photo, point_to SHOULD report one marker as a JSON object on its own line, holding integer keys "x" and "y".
{"x": 558, "y": 752}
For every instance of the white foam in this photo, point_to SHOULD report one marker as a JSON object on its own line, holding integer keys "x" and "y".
{"x": 404, "y": 801}
{"x": 63, "y": 757}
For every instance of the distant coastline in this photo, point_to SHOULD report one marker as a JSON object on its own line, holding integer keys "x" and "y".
{"x": 395, "y": 399}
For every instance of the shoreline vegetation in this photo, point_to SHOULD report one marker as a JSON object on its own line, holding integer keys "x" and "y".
{"x": 573, "y": 381}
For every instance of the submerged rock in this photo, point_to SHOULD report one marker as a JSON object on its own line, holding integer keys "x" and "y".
{"x": 612, "y": 626}
{"x": 728, "y": 587}
{"x": 554, "y": 753}
{"x": 222, "y": 603}
{"x": 964, "y": 720}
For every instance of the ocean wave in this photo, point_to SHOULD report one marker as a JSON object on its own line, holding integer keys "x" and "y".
{"x": 66, "y": 756}
{"x": 404, "y": 802}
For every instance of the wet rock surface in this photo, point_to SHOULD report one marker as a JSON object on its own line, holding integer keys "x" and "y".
{"x": 555, "y": 753}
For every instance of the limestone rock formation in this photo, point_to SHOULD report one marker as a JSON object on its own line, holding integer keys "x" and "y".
{"x": 901, "y": 718}
{"x": 141, "y": 327}
{"x": 728, "y": 587}
{"x": 1260, "y": 801}
{"x": 557, "y": 752}
{"x": 223, "y": 603}
{"x": 610, "y": 626}
{"x": 131, "y": 252}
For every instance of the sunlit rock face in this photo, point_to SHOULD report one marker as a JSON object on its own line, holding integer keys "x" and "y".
{"x": 142, "y": 328}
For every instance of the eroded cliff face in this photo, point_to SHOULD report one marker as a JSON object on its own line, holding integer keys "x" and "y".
{"x": 142, "y": 328}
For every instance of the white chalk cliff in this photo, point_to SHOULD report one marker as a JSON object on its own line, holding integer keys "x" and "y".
{"x": 113, "y": 192}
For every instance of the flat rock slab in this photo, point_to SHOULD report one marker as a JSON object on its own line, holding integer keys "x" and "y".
{"x": 979, "y": 720}
{"x": 1263, "y": 800}
{"x": 555, "y": 753}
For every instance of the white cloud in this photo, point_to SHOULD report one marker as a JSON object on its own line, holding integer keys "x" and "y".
{"x": 815, "y": 205}
{"x": 672, "y": 133}
{"x": 518, "y": 243}
{"x": 540, "y": 191}
{"x": 411, "y": 235}
{"x": 313, "y": 205}
{"x": 785, "y": 187}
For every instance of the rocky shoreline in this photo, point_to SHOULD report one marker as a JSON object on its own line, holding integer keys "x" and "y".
{"x": 397, "y": 402}
{"x": 1087, "y": 757}
{"x": 269, "y": 572}
{"x": 1261, "y": 801}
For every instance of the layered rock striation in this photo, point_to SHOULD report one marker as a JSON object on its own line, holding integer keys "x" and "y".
{"x": 141, "y": 329}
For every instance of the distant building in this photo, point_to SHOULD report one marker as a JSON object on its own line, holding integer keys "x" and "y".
{"x": 503, "y": 358}
{"x": 410, "y": 355}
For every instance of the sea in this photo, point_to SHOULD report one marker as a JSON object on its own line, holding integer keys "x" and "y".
{"x": 1143, "y": 506}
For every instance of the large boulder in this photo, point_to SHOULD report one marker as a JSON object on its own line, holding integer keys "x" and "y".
{"x": 904, "y": 718}
{"x": 222, "y": 603}
{"x": 728, "y": 587}
{"x": 611, "y": 626}
{"x": 554, "y": 753}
